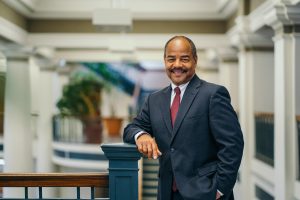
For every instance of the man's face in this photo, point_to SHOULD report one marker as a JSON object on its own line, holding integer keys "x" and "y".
{"x": 179, "y": 62}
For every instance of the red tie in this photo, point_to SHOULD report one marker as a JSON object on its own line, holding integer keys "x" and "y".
{"x": 174, "y": 110}
{"x": 175, "y": 105}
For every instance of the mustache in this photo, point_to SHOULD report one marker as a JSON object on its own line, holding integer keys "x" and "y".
{"x": 173, "y": 69}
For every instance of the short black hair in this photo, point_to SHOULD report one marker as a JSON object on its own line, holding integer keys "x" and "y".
{"x": 192, "y": 45}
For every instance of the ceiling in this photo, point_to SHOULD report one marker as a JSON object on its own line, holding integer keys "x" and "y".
{"x": 143, "y": 10}
{"x": 140, "y": 9}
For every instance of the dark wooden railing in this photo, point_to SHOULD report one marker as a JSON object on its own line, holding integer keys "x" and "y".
{"x": 122, "y": 179}
{"x": 264, "y": 137}
{"x": 40, "y": 180}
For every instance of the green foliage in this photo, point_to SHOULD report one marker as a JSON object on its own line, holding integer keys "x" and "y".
{"x": 81, "y": 97}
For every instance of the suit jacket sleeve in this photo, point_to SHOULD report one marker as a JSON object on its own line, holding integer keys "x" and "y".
{"x": 140, "y": 123}
{"x": 229, "y": 139}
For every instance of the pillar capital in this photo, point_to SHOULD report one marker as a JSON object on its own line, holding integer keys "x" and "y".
{"x": 227, "y": 55}
{"x": 17, "y": 52}
{"x": 43, "y": 56}
{"x": 241, "y": 35}
{"x": 284, "y": 17}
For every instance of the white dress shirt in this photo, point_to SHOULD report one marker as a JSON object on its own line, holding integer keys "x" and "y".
{"x": 173, "y": 86}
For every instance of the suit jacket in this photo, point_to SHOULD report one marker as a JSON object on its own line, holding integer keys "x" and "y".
{"x": 203, "y": 150}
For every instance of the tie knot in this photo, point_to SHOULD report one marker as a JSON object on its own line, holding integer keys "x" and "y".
{"x": 177, "y": 90}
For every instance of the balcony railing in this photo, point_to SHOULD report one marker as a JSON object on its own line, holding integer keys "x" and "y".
{"x": 40, "y": 180}
{"x": 122, "y": 179}
{"x": 67, "y": 129}
{"x": 264, "y": 137}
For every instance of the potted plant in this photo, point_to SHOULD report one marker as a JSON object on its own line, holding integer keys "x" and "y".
{"x": 82, "y": 98}
{"x": 112, "y": 122}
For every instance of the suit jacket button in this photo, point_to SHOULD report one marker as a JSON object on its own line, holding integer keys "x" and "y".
{"x": 172, "y": 150}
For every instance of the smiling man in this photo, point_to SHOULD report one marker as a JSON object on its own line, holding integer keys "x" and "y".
{"x": 191, "y": 127}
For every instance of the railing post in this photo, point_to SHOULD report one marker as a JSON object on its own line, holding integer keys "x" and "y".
{"x": 123, "y": 170}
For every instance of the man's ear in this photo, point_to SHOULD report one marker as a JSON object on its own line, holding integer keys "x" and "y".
{"x": 196, "y": 60}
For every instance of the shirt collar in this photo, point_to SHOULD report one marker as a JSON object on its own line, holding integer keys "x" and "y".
{"x": 181, "y": 87}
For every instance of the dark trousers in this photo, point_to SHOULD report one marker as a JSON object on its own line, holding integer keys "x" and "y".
{"x": 176, "y": 196}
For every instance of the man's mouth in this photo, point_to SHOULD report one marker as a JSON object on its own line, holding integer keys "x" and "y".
{"x": 178, "y": 70}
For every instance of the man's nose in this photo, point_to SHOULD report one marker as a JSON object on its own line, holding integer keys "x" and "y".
{"x": 177, "y": 63}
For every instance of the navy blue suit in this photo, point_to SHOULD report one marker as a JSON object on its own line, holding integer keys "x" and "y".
{"x": 204, "y": 149}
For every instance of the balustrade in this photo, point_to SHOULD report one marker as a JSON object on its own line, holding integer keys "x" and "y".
{"x": 122, "y": 179}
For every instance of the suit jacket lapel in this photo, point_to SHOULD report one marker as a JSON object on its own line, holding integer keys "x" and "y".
{"x": 165, "y": 107}
{"x": 187, "y": 100}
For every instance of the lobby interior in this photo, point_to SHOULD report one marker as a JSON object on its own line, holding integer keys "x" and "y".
{"x": 48, "y": 47}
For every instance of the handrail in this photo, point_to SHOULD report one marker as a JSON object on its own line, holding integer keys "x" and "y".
{"x": 269, "y": 114}
{"x": 122, "y": 179}
{"x": 263, "y": 114}
{"x": 54, "y": 180}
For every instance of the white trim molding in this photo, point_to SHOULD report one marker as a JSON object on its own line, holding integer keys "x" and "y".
{"x": 107, "y": 41}
{"x": 256, "y": 17}
{"x": 140, "y": 9}
{"x": 263, "y": 171}
{"x": 12, "y": 32}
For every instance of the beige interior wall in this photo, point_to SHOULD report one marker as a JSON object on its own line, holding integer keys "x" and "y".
{"x": 255, "y": 3}
{"x": 12, "y": 16}
{"x": 139, "y": 26}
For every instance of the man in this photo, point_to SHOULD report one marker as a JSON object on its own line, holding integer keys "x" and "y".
{"x": 193, "y": 130}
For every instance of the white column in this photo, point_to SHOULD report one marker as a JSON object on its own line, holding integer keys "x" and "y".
{"x": 229, "y": 74}
{"x": 256, "y": 94}
{"x": 17, "y": 136}
{"x": 59, "y": 81}
{"x": 249, "y": 65}
{"x": 2, "y": 63}
{"x": 2, "y": 86}
{"x": 287, "y": 62}
{"x": 246, "y": 120}
{"x": 44, "y": 126}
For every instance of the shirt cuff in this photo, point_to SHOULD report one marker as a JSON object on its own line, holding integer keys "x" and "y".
{"x": 138, "y": 134}
{"x": 221, "y": 194}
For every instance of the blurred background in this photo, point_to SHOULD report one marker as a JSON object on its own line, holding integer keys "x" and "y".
{"x": 73, "y": 73}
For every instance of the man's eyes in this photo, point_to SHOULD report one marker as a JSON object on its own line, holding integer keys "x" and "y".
{"x": 171, "y": 59}
{"x": 182, "y": 60}
{"x": 185, "y": 59}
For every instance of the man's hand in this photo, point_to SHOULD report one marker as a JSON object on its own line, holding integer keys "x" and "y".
{"x": 147, "y": 146}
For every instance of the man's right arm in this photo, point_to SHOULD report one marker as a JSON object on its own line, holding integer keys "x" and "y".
{"x": 139, "y": 132}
